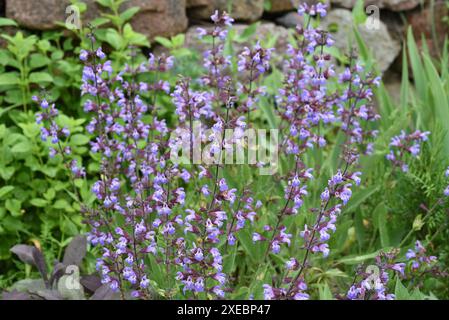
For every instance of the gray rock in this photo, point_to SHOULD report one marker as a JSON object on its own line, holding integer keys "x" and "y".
{"x": 290, "y": 20}
{"x": 196, "y": 3}
{"x": 283, "y": 5}
{"x": 394, "y": 5}
{"x": 382, "y": 45}
{"x": 392, "y": 82}
{"x": 155, "y": 18}
{"x": 169, "y": 20}
{"x": 40, "y": 17}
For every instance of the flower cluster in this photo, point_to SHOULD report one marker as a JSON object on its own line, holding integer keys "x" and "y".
{"x": 48, "y": 118}
{"x": 404, "y": 144}
{"x": 418, "y": 257}
{"x": 142, "y": 210}
{"x": 358, "y": 95}
{"x": 319, "y": 9}
{"x": 308, "y": 101}
{"x": 375, "y": 279}
{"x": 58, "y": 136}
{"x": 271, "y": 293}
{"x": 339, "y": 188}
{"x": 215, "y": 62}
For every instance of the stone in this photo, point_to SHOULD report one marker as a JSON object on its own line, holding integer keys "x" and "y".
{"x": 382, "y": 45}
{"x": 392, "y": 82}
{"x": 422, "y": 23}
{"x": 242, "y": 10}
{"x": 40, "y": 17}
{"x": 167, "y": 22}
{"x": 196, "y": 3}
{"x": 155, "y": 18}
{"x": 282, "y": 5}
{"x": 290, "y": 20}
{"x": 394, "y": 5}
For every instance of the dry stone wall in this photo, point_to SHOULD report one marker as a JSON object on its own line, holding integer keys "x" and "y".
{"x": 170, "y": 17}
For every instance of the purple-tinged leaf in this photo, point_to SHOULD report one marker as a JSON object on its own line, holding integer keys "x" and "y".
{"x": 15, "y": 295}
{"x": 24, "y": 252}
{"x": 31, "y": 255}
{"x": 91, "y": 282}
{"x": 58, "y": 272}
{"x": 29, "y": 285}
{"x": 39, "y": 262}
{"x": 75, "y": 252}
{"x": 49, "y": 294}
{"x": 104, "y": 293}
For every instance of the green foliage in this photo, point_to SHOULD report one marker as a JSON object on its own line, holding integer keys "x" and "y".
{"x": 37, "y": 203}
{"x": 410, "y": 206}
{"x": 390, "y": 209}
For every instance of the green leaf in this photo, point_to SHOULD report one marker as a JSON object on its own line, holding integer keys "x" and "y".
{"x": 7, "y": 172}
{"x": 114, "y": 39}
{"x": 245, "y": 239}
{"x": 30, "y": 130}
{"x": 380, "y": 217}
{"x": 13, "y": 206}
{"x": 69, "y": 227}
{"x": 365, "y": 53}
{"x": 39, "y": 77}
{"x": 417, "y": 67}
{"x": 49, "y": 194}
{"x": 440, "y": 97}
{"x": 21, "y": 147}
{"x": 164, "y": 42}
{"x": 5, "y": 22}
{"x": 404, "y": 81}
{"x": 79, "y": 139}
{"x": 178, "y": 40}
{"x": 361, "y": 258}
{"x": 129, "y": 13}
{"x": 44, "y": 45}
{"x": 133, "y": 37}
{"x": 105, "y": 3}
{"x": 61, "y": 204}
{"x": 38, "y": 202}
{"x": 360, "y": 197}
{"x": 229, "y": 261}
{"x": 325, "y": 292}
{"x": 358, "y": 12}
{"x": 9, "y": 78}
{"x": 418, "y": 223}
{"x": 99, "y": 22}
{"x": 38, "y": 60}
{"x": 5, "y": 190}
{"x": 400, "y": 291}
{"x": 6, "y": 59}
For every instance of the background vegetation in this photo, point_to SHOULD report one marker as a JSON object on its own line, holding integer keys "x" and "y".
{"x": 38, "y": 208}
